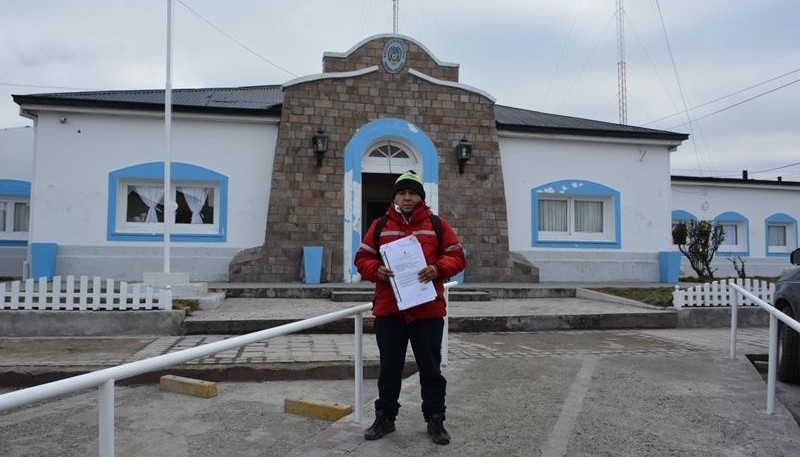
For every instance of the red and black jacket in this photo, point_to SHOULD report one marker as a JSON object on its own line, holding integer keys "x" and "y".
{"x": 448, "y": 258}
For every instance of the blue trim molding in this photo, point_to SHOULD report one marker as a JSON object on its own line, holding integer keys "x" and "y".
{"x": 780, "y": 218}
{"x": 15, "y": 188}
{"x": 379, "y": 130}
{"x": 20, "y": 243}
{"x": 179, "y": 172}
{"x": 573, "y": 188}
{"x": 681, "y": 215}
{"x": 737, "y": 218}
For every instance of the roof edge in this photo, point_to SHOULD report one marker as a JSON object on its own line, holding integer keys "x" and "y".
{"x": 336, "y": 75}
{"x": 343, "y": 55}
{"x": 443, "y": 82}
{"x": 731, "y": 181}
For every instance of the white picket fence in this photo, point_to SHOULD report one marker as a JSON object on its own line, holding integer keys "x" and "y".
{"x": 718, "y": 293}
{"x": 97, "y": 294}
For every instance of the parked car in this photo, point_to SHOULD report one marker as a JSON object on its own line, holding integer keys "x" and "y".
{"x": 787, "y": 299}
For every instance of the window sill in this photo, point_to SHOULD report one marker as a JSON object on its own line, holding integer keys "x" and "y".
{"x": 175, "y": 237}
{"x": 581, "y": 244}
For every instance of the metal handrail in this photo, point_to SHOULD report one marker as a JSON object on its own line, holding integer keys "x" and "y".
{"x": 774, "y": 315}
{"x": 446, "y": 330}
{"x": 104, "y": 379}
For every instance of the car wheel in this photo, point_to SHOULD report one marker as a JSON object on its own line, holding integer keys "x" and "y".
{"x": 788, "y": 351}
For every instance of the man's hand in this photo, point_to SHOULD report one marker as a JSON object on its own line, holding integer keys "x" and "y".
{"x": 428, "y": 274}
{"x": 384, "y": 273}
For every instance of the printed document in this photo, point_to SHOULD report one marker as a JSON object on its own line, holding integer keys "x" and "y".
{"x": 405, "y": 258}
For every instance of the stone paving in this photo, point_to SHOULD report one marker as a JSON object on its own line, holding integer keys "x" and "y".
{"x": 340, "y": 347}
{"x": 557, "y": 393}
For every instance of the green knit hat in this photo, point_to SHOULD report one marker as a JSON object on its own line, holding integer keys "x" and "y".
{"x": 409, "y": 180}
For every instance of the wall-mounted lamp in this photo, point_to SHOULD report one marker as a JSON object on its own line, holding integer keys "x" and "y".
{"x": 463, "y": 153}
{"x": 320, "y": 142}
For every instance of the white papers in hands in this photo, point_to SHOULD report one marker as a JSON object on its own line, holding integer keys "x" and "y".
{"x": 405, "y": 258}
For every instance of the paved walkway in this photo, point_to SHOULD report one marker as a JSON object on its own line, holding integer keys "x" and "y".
{"x": 617, "y": 392}
{"x": 40, "y": 355}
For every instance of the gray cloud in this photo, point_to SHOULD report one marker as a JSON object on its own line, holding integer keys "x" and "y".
{"x": 556, "y": 56}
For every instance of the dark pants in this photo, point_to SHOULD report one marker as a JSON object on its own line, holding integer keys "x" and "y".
{"x": 393, "y": 335}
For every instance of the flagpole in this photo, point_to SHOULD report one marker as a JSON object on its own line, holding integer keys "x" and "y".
{"x": 169, "y": 214}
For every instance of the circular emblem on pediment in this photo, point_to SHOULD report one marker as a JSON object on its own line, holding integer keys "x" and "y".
{"x": 394, "y": 55}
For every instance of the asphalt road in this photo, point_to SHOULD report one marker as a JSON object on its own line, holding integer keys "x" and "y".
{"x": 557, "y": 393}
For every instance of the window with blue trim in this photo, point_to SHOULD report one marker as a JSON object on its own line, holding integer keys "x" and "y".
{"x": 679, "y": 217}
{"x": 136, "y": 203}
{"x": 781, "y": 234}
{"x": 575, "y": 213}
{"x": 15, "y": 211}
{"x": 735, "y": 227}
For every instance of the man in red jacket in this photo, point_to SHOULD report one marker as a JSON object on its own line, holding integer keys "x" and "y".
{"x": 423, "y": 324}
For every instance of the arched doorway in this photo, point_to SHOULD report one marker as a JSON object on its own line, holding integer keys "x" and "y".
{"x": 381, "y": 164}
{"x": 376, "y": 154}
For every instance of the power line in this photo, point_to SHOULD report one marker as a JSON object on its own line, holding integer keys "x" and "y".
{"x": 737, "y": 104}
{"x": 674, "y": 65}
{"x": 684, "y": 104}
{"x": 563, "y": 51}
{"x": 778, "y": 168}
{"x": 43, "y": 87}
{"x": 585, "y": 63}
{"x": 227, "y": 35}
{"x": 725, "y": 96}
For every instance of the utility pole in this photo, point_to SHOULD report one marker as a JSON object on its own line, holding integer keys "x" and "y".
{"x": 169, "y": 215}
{"x": 621, "y": 77}
{"x": 395, "y": 15}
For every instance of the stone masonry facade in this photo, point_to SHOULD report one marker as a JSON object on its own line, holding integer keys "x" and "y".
{"x": 307, "y": 203}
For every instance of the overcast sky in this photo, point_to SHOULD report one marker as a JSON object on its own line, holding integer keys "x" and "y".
{"x": 734, "y": 64}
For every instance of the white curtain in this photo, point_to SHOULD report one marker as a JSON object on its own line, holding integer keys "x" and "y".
{"x": 553, "y": 215}
{"x": 588, "y": 216}
{"x": 777, "y": 235}
{"x": 196, "y": 199}
{"x": 731, "y": 233}
{"x": 151, "y": 196}
{"x": 22, "y": 214}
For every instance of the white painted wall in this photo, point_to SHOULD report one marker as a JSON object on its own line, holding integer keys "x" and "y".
{"x": 16, "y": 162}
{"x": 74, "y": 159}
{"x": 639, "y": 172}
{"x": 755, "y": 202}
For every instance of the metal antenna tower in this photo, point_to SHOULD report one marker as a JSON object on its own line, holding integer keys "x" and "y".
{"x": 621, "y": 77}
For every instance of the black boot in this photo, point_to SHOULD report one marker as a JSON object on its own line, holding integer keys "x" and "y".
{"x": 383, "y": 425}
{"x": 436, "y": 429}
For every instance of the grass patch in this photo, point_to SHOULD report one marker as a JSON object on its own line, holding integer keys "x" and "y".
{"x": 656, "y": 296}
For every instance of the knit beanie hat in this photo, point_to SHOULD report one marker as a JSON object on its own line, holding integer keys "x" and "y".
{"x": 411, "y": 181}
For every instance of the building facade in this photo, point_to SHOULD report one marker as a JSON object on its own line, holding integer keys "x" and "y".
{"x": 542, "y": 197}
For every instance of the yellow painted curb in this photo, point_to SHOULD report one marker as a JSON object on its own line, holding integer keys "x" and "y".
{"x": 316, "y": 409}
{"x": 188, "y": 386}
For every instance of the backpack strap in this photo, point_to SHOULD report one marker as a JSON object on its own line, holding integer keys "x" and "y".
{"x": 437, "y": 227}
{"x": 378, "y": 230}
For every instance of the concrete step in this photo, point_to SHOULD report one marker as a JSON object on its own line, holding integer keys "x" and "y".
{"x": 194, "y": 289}
{"x": 17, "y": 377}
{"x": 366, "y": 295}
{"x": 326, "y": 291}
{"x": 207, "y": 301}
{"x": 600, "y": 321}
